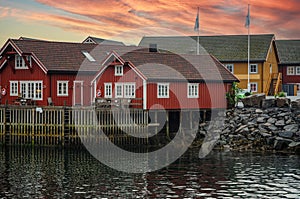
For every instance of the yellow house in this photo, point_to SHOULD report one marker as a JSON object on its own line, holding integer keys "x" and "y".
{"x": 232, "y": 51}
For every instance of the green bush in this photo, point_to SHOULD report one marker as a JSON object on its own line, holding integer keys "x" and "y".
{"x": 280, "y": 94}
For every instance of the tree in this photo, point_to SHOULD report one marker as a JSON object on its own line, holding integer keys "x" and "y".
{"x": 232, "y": 96}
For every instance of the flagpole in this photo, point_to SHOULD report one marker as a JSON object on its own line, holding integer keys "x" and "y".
{"x": 198, "y": 42}
{"x": 198, "y": 31}
{"x": 248, "y": 85}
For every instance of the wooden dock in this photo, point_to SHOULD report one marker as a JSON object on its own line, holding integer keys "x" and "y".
{"x": 68, "y": 126}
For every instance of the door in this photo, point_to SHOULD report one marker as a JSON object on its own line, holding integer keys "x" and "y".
{"x": 78, "y": 93}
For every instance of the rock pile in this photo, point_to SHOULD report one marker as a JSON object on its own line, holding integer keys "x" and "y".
{"x": 272, "y": 128}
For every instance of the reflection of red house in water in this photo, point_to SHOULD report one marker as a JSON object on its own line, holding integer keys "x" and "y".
{"x": 164, "y": 80}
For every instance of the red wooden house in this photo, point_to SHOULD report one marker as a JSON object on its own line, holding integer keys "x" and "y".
{"x": 289, "y": 66}
{"x": 43, "y": 72}
{"x": 164, "y": 80}
{"x": 48, "y": 72}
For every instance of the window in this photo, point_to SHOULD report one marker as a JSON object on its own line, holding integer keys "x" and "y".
{"x": 230, "y": 67}
{"x": 253, "y": 87}
{"x": 118, "y": 70}
{"x": 253, "y": 68}
{"x": 32, "y": 89}
{"x": 119, "y": 90}
{"x": 20, "y": 62}
{"x": 14, "y": 88}
{"x": 162, "y": 90}
{"x": 88, "y": 56}
{"x": 108, "y": 90}
{"x": 129, "y": 90}
{"x": 193, "y": 90}
{"x": 297, "y": 70}
{"x": 62, "y": 88}
{"x": 126, "y": 90}
{"x": 290, "y": 70}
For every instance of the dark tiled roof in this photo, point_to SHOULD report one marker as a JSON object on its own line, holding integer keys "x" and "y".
{"x": 56, "y": 56}
{"x": 170, "y": 66}
{"x": 226, "y": 48}
{"x": 65, "y": 56}
{"x": 288, "y": 51}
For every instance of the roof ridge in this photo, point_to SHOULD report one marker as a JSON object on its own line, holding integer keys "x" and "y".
{"x": 170, "y": 36}
{"x": 48, "y": 41}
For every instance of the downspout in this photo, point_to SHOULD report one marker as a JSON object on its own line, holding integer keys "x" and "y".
{"x": 50, "y": 85}
{"x": 144, "y": 94}
{"x": 262, "y": 79}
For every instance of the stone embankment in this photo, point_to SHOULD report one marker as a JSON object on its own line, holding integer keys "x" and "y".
{"x": 266, "y": 125}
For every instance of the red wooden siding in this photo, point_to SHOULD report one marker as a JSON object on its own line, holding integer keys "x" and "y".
{"x": 69, "y": 100}
{"x": 129, "y": 76}
{"x": 286, "y": 79}
{"x": 8, "y": 73}
{"x": 211, "y": 95}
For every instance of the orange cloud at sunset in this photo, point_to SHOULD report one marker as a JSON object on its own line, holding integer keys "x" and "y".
{"x": 123, "y": 19}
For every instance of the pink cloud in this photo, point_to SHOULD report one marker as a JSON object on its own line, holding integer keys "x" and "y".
{"x": 107, "y": 18}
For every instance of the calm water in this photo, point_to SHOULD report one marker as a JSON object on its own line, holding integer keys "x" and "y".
{"x": 54, "y": 173}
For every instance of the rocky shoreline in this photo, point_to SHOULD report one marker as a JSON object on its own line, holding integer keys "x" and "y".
{"x": 272, "y": 128}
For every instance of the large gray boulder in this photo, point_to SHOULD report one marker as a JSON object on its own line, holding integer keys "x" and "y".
{"x": 254, "y": 100}
{"x": 283, "y": 102}
{"x": 295, "y": 104}
{"x": 268, "y": 103}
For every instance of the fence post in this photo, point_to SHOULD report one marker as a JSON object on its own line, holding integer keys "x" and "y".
{"x": 6, "y": 117}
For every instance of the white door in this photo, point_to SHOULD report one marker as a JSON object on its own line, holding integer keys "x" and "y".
{"x": 78, "y": 93}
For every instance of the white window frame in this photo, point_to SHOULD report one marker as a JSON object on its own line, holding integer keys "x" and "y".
{"x": 64, "y": 89}
{"x": 118, "y": 90}
{"x": 290, "y": 70}
{"x": 13, "y": 88}
{"x": 129, "y": 90}
{"x": 118, "y": 70}
{"x": 124, "y": 90}
{"x": 20, "y": 62}
{"x": 107, "y": 90}
{"x": 297, "y": 70}
{"x": 193, "y": 90}
{"x": 231, "y": 66}
{"x": 256, "y": 68}
{"x": 256, "y": 86}
{"x": 29, "y": 89}
{"x": 163, "y": 90}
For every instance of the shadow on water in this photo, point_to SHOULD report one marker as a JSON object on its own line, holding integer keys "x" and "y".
{"x": 70, "y": 173}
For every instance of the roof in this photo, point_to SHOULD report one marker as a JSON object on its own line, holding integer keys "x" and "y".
{"x": 55, "y": 56}
{"x": 226, "y": 48}
{"x": 288, "y": 51}
{"x": 64, "y": 56}
{"x": 97, "y": 40}
{"x": 169, "y": 66}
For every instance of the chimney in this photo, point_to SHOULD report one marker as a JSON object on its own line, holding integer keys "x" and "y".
{"x": 153, "y": 48}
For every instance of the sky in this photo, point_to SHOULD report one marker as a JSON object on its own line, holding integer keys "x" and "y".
{"x": 129, "y": 20}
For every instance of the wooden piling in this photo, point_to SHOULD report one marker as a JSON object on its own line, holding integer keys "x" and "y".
{"x": 67, "y": 126}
